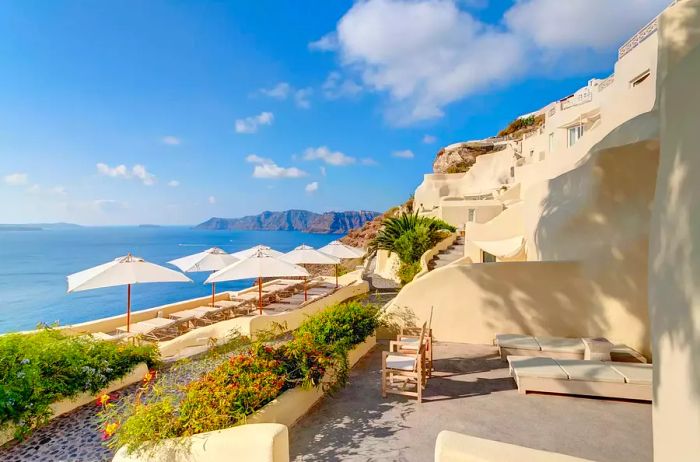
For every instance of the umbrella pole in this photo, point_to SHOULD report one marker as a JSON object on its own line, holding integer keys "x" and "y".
{"x": 336, "y": 276}
{"x": 260, "y": 294}
{"x": 213, "y": 291}
{"x": 305, "y": 297}
{"x": 128, "y": 307}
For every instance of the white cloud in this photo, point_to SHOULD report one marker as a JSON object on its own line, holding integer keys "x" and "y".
{"x": 336, "y": 86}
{"x": 138, "y": 171}
{"x": 404, "y": 154}
{"x": 311, "y": 187}
{"x": 211, "y": 200}
{"x": 171, "y": 140}
{"x": 120, "y": 171}
{"x": 322, "y": 169}
{"x": 58, "y": 191}
{"x": 301, "y": 97}
{"x": 429, "y": 139}
{"x": 34, "y": 189}
{"x": 251, "y": 124}
{"x": 447, "y": 54}
{"x": 336, "y": 158}
{"x": 16, "y": 179}
{"x": 279, "y": 91}
{"x": 328, "y": 42}
{"x": 267, "y": 168}
{"x": 368, "y": 161}
{"x": 173, "y": 183}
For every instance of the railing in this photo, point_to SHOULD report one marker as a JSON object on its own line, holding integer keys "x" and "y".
{"x": 582, "y": 96}
{"x": 642, "y": 35}
{"x": 605, "y": 83}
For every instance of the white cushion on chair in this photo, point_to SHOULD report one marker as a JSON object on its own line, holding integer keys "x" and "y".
{"x": 400, "y": 362}
{"x": 409, "y": 343}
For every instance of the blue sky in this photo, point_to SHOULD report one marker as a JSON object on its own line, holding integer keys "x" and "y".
{"x": 127, "y": 112}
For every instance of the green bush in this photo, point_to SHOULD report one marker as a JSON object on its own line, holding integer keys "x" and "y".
{"x": 316, "y": 355}
{"x": 41, "y": 368}
{"x": 407, "y": 271}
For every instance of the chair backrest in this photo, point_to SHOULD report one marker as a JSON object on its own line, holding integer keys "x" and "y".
{"x": 430, "y": 319}
{"x": 421, "y": 346}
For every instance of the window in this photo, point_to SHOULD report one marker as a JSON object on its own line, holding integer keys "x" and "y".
{"x": 487, "y": 257}
{"x": 551, "y": 142}
{"x": 532, "y": 153}
{"x": 512, "y": 172}
{"x": 471, "y": 215}
{"x": 639, "y": 79}
{"x": 575, "y": 133}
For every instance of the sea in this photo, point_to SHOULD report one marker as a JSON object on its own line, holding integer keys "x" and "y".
{"x": 34, "y": 266}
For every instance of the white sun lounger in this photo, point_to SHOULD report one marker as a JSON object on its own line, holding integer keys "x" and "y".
{"x": 578, "y": 377}
{"x": 557, "y": 347}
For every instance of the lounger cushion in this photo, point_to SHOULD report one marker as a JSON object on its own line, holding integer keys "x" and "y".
{"x": 536, "y": 366}
{"x": 561, "y": 344}
{"x": 635, "y": 373}
{"x": 596, "y": 371}
{"x": 521, "y": 342}
{"x": 400, "y": 362}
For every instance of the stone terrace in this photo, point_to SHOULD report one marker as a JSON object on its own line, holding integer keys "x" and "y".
{"x": 470, "y": 393}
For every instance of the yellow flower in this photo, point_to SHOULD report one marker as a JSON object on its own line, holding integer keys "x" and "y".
{"x": 103, "y": 400}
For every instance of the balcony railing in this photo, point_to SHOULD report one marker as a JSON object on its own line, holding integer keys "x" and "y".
{"x": 582, "y": 96}
{"x": 642, "y": 35}
{"x": 605, "y": 83}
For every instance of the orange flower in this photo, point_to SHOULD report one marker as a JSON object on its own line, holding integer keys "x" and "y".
{"x": 150, "y": 375}
{"x": 103, "y": 400}
{"x": 109, "y": 430}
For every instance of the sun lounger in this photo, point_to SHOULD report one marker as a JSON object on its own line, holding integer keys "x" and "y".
{"x": 580, "y": 377}
{"x": 558, "y": 347}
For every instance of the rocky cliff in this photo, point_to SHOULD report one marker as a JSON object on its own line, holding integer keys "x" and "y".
{"x": 294, "y": 220}
{"x": 458, "y": 158}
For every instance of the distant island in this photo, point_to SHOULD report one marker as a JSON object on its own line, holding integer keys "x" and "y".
{"x": 37, "y": 226}
{"x": 294, "y": 220}
{"x": 150, "y": 226}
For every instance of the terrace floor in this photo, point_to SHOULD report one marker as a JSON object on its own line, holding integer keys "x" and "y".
{"x": 470, "y": 393}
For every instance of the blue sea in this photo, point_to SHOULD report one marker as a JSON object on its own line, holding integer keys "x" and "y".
{"x": 34, "y": 266}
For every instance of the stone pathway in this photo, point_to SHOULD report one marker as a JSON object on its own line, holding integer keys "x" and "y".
{"x": 449, "y": 255}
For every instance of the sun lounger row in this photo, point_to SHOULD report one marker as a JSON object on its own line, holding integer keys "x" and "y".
{"x": 582, "y": 377}
{"x": 564, "y": 348}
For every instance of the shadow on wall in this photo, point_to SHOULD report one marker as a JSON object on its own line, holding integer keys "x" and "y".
{"x": 599, "y": 215}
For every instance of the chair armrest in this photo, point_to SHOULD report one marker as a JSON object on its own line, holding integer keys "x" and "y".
{"x": 394, "y": 345}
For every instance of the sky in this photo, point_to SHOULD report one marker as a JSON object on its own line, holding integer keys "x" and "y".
{"x": 130, "y": 112}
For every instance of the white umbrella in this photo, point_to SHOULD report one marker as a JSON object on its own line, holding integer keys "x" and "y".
{"x": 260, "y": 265}
{"x": 306, "y": 255}
{"x": 212, "y": 259}
{"x": 340, "y": 250}
{"x": 121, "y": 271}
{"x": 247, "y": 253}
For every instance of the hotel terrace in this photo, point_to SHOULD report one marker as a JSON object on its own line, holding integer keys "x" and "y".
{"x": 565, "y": 324}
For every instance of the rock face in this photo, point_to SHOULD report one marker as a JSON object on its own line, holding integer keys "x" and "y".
{"x": 294, "y": 220}
{"x": 458, "y": 158}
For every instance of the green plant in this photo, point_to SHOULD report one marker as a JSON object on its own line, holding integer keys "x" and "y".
{"x": 409, "y": 236}
{"x": 316, "y": 355}
{"x": 40, "y": 368}
{"x": 407, "y": 271}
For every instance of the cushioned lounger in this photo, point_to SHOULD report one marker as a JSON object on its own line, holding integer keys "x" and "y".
{"x": 557, "y": 347}
{"x": 579, "y": 377}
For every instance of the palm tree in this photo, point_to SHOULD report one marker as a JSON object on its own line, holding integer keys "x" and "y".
{"x": 409, "y": 235}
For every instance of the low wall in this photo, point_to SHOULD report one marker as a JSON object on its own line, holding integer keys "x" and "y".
{"x": 430, "y": 254}
{"x": 456, "y": 447}
{"x": 267, "y": 442}
{"x": 249, "y": 325}
{"x": 473, "y": 302}
{"x": 387, "y": 265}
{"x": 293, "y": 404}
{"x": 66, "y": 405}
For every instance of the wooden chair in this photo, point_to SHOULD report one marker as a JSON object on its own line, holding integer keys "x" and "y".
{"x": 409, "y": 337}
{"x": 403, "y": 371}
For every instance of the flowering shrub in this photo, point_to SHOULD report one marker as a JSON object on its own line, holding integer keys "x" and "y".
{"x": 315, "y": 356}
{"x": 41, "y": 368}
